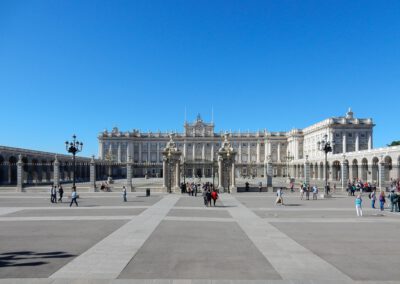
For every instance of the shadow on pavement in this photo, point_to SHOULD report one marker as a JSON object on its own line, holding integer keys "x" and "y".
{"x": 29, "y": 258}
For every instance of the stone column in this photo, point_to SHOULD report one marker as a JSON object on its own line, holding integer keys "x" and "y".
{"x": 279, "y": 152}
{"x": 212, "y": 151}
{"x": 119, "y": 152}
{"x": 92, "y": 187}
{"x": 265, "y": 168}
{"x": 140, "y": 152}
{"x": 382, "y": 181}
{"x": 357, "y": 145}
{"x": 369, "y": 141}
{"x": 345, "y": 173}
{"x": 269, "y": 173}
{"x": 158, "y": 152}
{"x": 101, "y": 153}
{"x": 258, "y": 152}
{"x": 233, "y": 179}
{"x": 203, "y": 153}
{"x": 220, "y": 186}
{"x": 194, "y": 151}
{"x": 56, "y": 171}
{"x": 129, "y": 175}
{"x": 344, "y": 143}
{"x": 248, "y": 153}
{"x": 165, "y": 174}
{"x": 177, "y": 175}
{"x": 240, "y": 152}
{"x": 307, "y": 171}
{"x": 20, "y": 185}
{"x": 148, "y": 152}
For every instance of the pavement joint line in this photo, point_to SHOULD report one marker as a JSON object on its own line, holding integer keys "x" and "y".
{"x": 199, "y": 208}
{"x": 198, "y": 219}
{"x": 78, "y": 208}
{"x": 108, "y": 258}
{"x": 329, "y": 220}
{"x": 287, "y": 256}
{"x": 66, "y": 218}
{"x": 182, "y": 281}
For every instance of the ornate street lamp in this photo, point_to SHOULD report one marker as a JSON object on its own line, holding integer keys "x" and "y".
{"x": 326, "y": 146}
{"x": 73, "y": 147}
{"x": 169, "y": 171}
{"x": 288, "y": 159}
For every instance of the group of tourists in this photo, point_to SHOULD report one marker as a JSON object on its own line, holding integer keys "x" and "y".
{"x": 393, "y": 199}
{"x": 54, "y": 191}
{"x": 209, "y": 194}
{"x": 60, "y": 191}
{"x": 307, "y": 189}
{"x": 358, "y": 185}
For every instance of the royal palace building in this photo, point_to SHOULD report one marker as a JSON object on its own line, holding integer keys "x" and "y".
{"x": 287, "y": 150}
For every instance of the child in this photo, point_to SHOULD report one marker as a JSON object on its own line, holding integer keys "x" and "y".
{"x": 358, "y": 205}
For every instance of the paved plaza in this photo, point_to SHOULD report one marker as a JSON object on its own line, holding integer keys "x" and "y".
{"x": 173, "y": 238}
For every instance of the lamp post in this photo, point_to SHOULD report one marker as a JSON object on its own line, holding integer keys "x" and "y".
{"x": 326, "y": 146}
{"x": 169, "y": 172}
{"x": 73, "y": 147}
{"x": 288, "y": 159}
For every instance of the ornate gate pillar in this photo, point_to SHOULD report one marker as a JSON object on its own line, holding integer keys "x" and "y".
{"x": 382, "y": 182}
{"x": 129, "y": 174}
{"x": 56, "y": 171}
{"x": 270, "y": 171}
{"x": 20, "y": 181}
{"x": 307, "y": 173}
{"x": 171, "y": 166}
{"x": 345, "y": 174}
{"x": 92, "y": 187}
{"x": 226, "y": 167}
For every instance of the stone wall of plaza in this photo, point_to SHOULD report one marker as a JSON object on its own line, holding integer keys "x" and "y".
{"x": 38, "y": 167}
{"x": 375, "y": 165}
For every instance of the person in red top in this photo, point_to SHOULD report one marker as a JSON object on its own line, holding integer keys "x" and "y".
{"x": 214, "y": 196}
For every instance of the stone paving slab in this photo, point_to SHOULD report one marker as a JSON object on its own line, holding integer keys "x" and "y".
{"x": 76, "y": 212}
{"x": 109, "y": 257}
{"x": 38, "y": 249}
{"x": 83, "y": 201}
{"x": 362, "y": 251}
{"x": 199, "y": 213}
{"x": 291, "y": 260}
{"x": 193, "y": 250}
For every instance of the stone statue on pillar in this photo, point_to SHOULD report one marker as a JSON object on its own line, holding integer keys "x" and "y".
{"x": 226, "y": 166}
{"x": 171, "y": 166}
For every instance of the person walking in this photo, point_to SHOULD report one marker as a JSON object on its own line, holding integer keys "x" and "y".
{"x": 53, "y": 195}
{"x": 382, "y": 200}
{"x": 372, "y": 195}
{"x": 60, "y": 193}
{"x": 247, "y": 186}
{"x": 74, "y": 196}
{"x": 205, "y": 198}
{"x": 393, "y": 197}
{"x": 260, "y": 186}
{"x": 124, "y": 193}
{"x": 358, "y": 203}
{"x": 315, "y": 192}
{"x": 208, "y": 194}
{"x": 307, "y": 189}
{"x": 291, "y": 186}
{"x": 301, "y": 191}
{"x": 214, "y": 196}
{"x": 279, "y": 197}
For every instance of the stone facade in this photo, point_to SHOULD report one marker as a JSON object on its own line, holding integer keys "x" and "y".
{"x": 199, "y": 144}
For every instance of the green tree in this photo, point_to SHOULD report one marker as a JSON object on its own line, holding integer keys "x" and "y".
{"x": 394, "y": 143}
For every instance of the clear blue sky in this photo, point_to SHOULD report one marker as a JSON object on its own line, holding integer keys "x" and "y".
{"x": 82, "y": 66}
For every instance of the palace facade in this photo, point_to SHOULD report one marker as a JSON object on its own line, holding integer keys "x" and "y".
{"x": 199, "y": 144}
